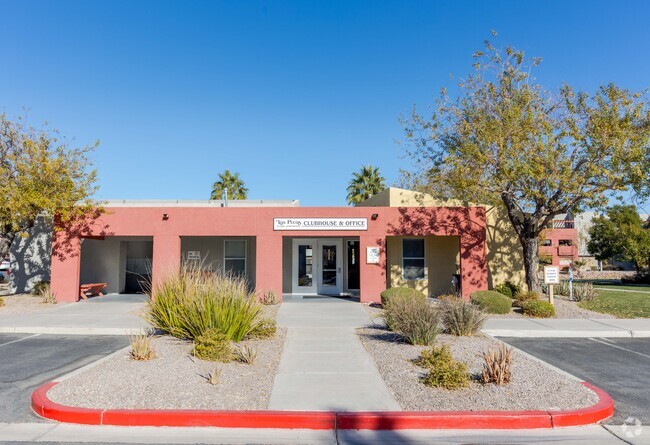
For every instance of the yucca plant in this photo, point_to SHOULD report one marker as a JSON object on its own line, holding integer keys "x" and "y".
{"x": 141, "y": 348}
{"x": 214, "y": 377}
{"x": 496, "y": 366}
{"x": 247, "y": 354}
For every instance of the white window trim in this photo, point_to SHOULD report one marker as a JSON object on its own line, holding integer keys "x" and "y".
{"x": 415, "y": 258}
{"x": 236, "y": 258}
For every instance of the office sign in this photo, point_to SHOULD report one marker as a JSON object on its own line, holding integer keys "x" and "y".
{"x": 372, "y": 255}
{"x": 320, "y": 224}
{"x": 551, "y": 275}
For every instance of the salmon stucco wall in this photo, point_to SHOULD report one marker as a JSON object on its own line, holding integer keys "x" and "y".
{"x": 167, "y": 226}
{"x": 504, "y": 255}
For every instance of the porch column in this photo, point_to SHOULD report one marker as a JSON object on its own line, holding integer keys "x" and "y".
{"x": 65, "y": 268}
{"x": 473, "y": 265}
{"x": 166, "y": 257}
{"x": 372, "y": 277}
{"x": 268, "y": 264}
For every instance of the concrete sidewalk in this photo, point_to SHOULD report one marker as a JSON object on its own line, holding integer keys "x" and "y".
{"x": 538, "y": 327}
{"x": 68, "y": 433}
{"x": 111, "y": 314}
{"x": 324, "y": 366}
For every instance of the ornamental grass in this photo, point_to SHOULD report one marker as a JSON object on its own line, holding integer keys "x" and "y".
{"x": 188, "y": 303}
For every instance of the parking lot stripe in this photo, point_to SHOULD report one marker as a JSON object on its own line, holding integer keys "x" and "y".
{"x": 598, "y": 340}
{"x": 20, "y": 339}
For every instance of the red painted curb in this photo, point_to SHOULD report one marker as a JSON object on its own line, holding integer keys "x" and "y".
{"x": 603, "y": 409}
{"x": 319, "y": 420}
{"x": 417, "y": 420}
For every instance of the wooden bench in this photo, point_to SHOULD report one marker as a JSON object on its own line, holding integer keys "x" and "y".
{"x": 92, "y": 289}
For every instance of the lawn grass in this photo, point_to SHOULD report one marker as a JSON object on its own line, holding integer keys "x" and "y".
{"x": 631, "y": 287}
{"x": 620, "y": 304}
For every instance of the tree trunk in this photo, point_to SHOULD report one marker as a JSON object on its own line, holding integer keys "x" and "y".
{"x": 6, "y": 239}
{"x": 531, "y": 263}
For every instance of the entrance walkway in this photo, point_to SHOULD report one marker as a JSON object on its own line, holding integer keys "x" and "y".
{"x": 112, "y": 314}
{"x": 324, "y": 366}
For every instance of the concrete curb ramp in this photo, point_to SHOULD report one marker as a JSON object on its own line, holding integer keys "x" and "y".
{"x": 323, "y": 420}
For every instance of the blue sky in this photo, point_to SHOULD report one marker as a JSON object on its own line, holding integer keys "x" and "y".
{"x": 293, "y": 95}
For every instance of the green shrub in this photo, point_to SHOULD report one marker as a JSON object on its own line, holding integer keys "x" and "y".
{"x": 443, "y": 370}
{"x": 461, "y": 318}
{"x": 538, "y": 308}
{"x": 412, "y": 318}
{"x": 40, "y": 287}
{"x": 213, "y": 345}
{"x": 524, "y": 296}
{"x": 400, "y": 292}
{"x": 509, "y": 289}
{"x": 492, "y": 302}
{"x": 264, "y": 329}
{"x": 430, "y": 358}
{"x": 641, "y": 277}
{"x": 190, "y": 302}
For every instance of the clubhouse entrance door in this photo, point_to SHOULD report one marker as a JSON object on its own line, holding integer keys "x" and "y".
{"x": 317, "y": 266}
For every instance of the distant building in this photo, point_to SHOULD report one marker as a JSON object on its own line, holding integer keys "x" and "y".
{"x": 560, "y": 241}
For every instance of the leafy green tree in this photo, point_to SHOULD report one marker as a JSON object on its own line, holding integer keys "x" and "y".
{"x": 364, "y": 184}
{"x": 230, "y": 182}
{"x": 41, "y": 174}
{"x": 504, "y": 140}
{"x": 621, "y": 232}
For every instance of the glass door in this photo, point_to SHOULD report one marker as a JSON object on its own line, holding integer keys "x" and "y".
{"x": 304, "y": 267}
{"x": 330, "y": 267}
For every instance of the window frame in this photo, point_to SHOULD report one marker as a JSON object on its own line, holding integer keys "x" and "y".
{"x": 423, "y": 258}
{"x": 245, "y": 258}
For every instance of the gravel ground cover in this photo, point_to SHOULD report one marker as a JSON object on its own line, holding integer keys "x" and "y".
{"x": 23, "y": 304}
{"x": 176, "y": 380}
{"x": 534, "y": 386}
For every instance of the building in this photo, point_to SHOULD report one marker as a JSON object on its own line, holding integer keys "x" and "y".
{"x": 560, "y": 242}
{"x": 391, "y": 239}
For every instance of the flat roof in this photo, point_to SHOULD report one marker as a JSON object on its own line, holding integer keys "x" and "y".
{"x": 199, "y": 203}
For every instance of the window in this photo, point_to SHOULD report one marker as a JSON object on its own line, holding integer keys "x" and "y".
{"x": 413, "y": 264}
{"x": 565, "y": 242}
{"x": 547, "y": 242}
{"x": 234, "y": 257}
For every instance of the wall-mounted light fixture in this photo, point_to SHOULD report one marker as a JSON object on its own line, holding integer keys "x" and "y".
{"x": 374, "y": 216}
{"x": 165, "y": 216}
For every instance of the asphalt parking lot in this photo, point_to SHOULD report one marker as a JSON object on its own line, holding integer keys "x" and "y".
{"x": 620, "y": 366}
{"x": 28, "y": 360}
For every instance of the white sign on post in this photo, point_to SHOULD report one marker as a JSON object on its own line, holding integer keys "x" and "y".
{"x": 194, "y": 255}
{"x": 372, "y": 255}
{"x": 551, "y": 275}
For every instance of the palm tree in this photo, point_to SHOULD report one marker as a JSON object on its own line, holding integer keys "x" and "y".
{"x": 365, "y": 183}
{"x": 232, "y": 184}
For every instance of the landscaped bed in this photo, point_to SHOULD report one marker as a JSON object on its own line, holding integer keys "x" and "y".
{"x": 534, "y": 386}
{"x": 175, "y": 379}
